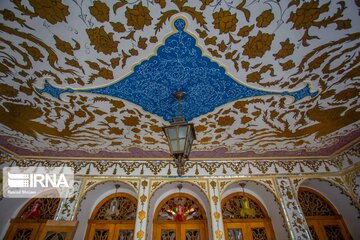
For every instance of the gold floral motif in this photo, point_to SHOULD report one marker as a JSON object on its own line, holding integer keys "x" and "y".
{"x": 138, "y": 17}
{"x": 106, "y": 73}
{"x": 265, "y": 18}
{"x": 118, "y": 27}
{"x": 287, "y": 65}
{"x": 226, "y": 121}
{"x": 102, "y": 41}
{"x": 217, "y": 216}
{"x": 225, "y": 21}
{"x": 140, "y": 234}
{"x": 144, "y": 183}
{"x": 100, "y": 11}
{"x": 287, "y": 49}
{"x": 53, "y": 11}
{"x": 131, "y": 121}
{"x": 8, "y": 15}
{"x": 258, "y": 45}
{"x": 215, "y": 199}
{"x": 142, "y": 215}
{"x": 213, "y": 184}
{"x": 219, "y": 234}
{"x": 205, "y": 3}
{"x": 253, "y": 77}
{"x": 63, "y": 46}
{"x": 33, "y": 52}
{"x": 245, "y": 31}
{"x": 143, "y": 199}
{"x": 305, "y": 16}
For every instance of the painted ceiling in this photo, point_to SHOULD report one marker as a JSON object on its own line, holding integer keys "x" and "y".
{"x": 97, "y": 79}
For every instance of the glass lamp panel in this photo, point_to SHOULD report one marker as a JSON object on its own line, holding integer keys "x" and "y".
{"x": 174, "y": 146}
{"x": 172, "y": 133}
{"x": 181, "y": 145}
{"x": 182, "y": 131}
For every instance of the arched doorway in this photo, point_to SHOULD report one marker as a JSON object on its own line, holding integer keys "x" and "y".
{"x": 113, "y": 218}
{"x": 322, "y": 218}
{"x": 31, "y": 219}
{"x": 192, "y": 227}
{"x": 238, "y": 225}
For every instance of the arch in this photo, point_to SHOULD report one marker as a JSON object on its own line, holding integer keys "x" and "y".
{"x": 266, "y": 197}
{"x": 100, "y": 182}
{"x": 32, "y": 217}
{"x": 260, "y": 210}
{"x": 93, "y": 196}
{"x": 188, "y": 196}
{"x": 341, "y": 203}
{"x": 310, "y": 202}
{"x": 48, "y": 209}
{"x": 108, "y": 199}
{"x": 113, "y": 225}
{"x": 164, "y": 193}
{"x": 236, "y": 223}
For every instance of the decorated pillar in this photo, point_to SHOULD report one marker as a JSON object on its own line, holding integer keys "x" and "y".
{"x": 68, "y": 205}
{"x": 294, "y": 216}
{"x": 142, "y": 207}
{"x": 216, "y": 215}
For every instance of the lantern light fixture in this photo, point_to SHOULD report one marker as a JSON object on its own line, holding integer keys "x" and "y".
{"x": 180, "y": 136}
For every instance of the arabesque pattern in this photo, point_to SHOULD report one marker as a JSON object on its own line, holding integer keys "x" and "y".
{"x": 277, "y": 46}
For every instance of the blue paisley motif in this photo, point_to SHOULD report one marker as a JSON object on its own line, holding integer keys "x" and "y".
{"x": 178, "y": 66}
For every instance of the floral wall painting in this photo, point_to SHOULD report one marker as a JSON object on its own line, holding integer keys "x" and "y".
{"x": 96, "y": 78}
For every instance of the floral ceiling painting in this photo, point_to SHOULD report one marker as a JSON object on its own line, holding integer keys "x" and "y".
{"x": 95, "y": 79}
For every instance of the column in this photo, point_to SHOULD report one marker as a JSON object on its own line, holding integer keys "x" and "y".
{"x": 66, "y": 211}
{"x": 294, "y": 216}
{"x": 142, "y": 207}
{"x": 216, "y": 215}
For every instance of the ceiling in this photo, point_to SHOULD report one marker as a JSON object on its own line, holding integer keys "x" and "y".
{"x": 263, "y": 79}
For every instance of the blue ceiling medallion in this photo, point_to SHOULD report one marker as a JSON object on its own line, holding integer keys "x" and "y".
{"x": 178, "y": 66}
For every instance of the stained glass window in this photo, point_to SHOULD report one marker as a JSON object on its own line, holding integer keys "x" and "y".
{"x": 314, "y": 205}
{"x": 125, "y": 209}
{"x": 185, "y": 202}
{"x": 232, "y": 208}
{"x": 48, "y": 208}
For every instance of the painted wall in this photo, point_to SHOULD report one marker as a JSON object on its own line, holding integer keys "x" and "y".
{"x": 340, "y": 201}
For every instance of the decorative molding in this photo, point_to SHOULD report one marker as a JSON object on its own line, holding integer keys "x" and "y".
{"x": 293, "y": 213}
{"x": 67, "y": 209}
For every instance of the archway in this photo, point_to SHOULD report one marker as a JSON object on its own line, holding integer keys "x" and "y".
{"x": 335, "y": 195}
{"x": 93, "y": 197}
{"x": 113, "y": 218}
{"x": 265, "y": 196}
{"x": 167, "y": 189}
{"x": 321, "y": 216}
{"x": 31, "y": 219}
{"x": 244, "y": 217}
{"x": 180, "y": 216}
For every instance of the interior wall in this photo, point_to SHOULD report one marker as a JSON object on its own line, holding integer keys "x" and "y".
{"x": 170, "y": 188}
{"x": 91, "y": 200}
{"x": 340, "y": 201}
{"x": 9, "y": 208}
{"x": 267, "y": 199}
